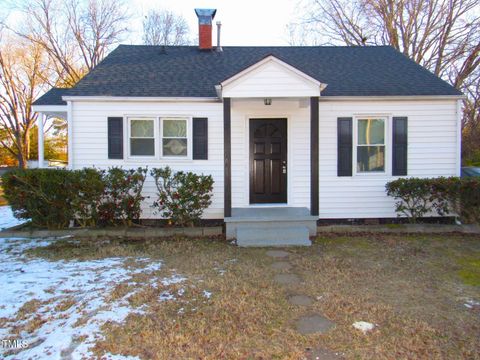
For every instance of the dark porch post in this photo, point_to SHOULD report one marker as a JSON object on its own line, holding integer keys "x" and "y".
{"x": 227, "y": 150}
{"x": 314, "y": 199}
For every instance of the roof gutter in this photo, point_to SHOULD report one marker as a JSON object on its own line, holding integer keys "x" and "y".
{"x": 218, "y": 89}
{"x": 139, "y": 99}
{"x": 392, "y": 97}
{"x": 49, "y": 108}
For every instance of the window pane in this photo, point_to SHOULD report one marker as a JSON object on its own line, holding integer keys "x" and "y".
{"x": 371, "y": 131}
{"x": 142, "y": 147}
{"x": 174, "y": 128}
{"x": 370, "y": 158}
{"x": 142, "y": 128}
{"x": 175, "y": 147}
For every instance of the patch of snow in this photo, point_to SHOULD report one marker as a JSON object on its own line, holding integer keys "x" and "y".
{"x": 149, "y": 267}
{"x": 472, "y": 304}
{"x": 174, "y": 279}
{"x": 166, "y": 296}
{"x": 7, "y": 220}
{"x": 64, "y": 237}
{"x": 363, "y": 326}
{"x": 110, "y": 356}
{"x": 75, "y": 330}
{"x": 220, "y": 271}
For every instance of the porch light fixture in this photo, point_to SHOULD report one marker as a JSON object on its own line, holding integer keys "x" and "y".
{"x": 267, "y": 101}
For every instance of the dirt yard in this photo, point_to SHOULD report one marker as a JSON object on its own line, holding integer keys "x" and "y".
{"x": 206, "y": 299}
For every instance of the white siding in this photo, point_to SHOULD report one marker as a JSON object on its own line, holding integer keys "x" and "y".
{"x": 271, "y": 80}
{"x": 90, "y": 143}
{"x": 432, "y": 147}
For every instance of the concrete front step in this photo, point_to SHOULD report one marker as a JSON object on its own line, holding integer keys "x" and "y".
{"x": 271, "y": 226}
{"x": 258, "y": 235}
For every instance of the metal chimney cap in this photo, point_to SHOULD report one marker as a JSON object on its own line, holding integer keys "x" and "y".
{"x": 205, "y": 16}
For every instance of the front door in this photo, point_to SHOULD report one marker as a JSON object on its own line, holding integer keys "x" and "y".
{"x": 268, "y": 161}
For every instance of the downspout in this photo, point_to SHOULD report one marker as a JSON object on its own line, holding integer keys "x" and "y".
{"x": 458, "y": 154}
{"x": 40, "y": 143}
{"x": 70, "y": 134}
{"x": 459, "y": 137}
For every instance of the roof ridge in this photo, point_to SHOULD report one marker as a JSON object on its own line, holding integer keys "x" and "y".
{"x": 264, "y": 46}
{"x": 144, "y": 70}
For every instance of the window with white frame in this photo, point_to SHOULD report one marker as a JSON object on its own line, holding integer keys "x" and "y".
{"x": 142, "y": 137}
{"x": 371, "y": 145}
{"x": 174, "y": 137}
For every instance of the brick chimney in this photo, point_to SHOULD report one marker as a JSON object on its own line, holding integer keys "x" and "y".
{"x": 205, "y": 17}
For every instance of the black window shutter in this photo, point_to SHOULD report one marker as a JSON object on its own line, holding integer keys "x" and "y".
{"x": 345, "y": 138}
{"x": 115, "y": 138}
{"x": 200, "y": 138}
{"x": 400, "y": 146}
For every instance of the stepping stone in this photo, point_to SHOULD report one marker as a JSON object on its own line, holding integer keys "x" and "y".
{"x": 287, "y": 279}
{"x": 281, "y": 265}
{"x": 313, "y": 323}
{"x": 321, "y": 354}
{"x": 300, "y": 300}
{"x": 277, "y": 253}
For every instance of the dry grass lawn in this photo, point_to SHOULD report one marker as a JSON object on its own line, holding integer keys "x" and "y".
{"x": 414, "y": 288}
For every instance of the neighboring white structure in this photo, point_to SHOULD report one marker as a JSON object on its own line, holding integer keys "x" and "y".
{"x": 318, "y": 128}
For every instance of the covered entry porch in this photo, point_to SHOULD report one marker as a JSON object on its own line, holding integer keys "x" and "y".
{"x": 50, "y": 106}
{"x": 271, "y": 159}
{"x": 271, "y": 170}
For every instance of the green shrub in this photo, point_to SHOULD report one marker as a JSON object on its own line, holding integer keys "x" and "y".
{"x": 87, "y": 191}
{"x": 122, "y": 197}
{"x": 469, "y": 200}
{"x": 182, "y": 197}
{"x": 445, "y": 196}
{"x": 50, "y": 197}
{"x": 413, "y": 197}
{"x": 444, "y": 193}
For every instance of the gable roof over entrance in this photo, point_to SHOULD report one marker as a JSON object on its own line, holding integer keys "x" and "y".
{"x": 270, "y": 77}
{"x": 185, "y": 71}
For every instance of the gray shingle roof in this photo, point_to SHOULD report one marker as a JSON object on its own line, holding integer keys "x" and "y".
{"x": 185, "y": 71}
{"x": 52, "y": 97}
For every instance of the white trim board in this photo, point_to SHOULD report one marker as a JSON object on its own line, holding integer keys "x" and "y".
{"x": 50, "y": 108}
{"x": 63, "y": 108}
{"x": 139, "y": 99}
{"x": 391, "y": 97}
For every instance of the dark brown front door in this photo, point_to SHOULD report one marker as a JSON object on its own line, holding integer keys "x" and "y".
{"x": 268, "y": 161}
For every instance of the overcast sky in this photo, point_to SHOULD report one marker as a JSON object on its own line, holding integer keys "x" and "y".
{"x": 244, "y": 22}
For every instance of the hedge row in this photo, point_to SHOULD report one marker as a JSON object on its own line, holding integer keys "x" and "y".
{"x": 451, "y": 196}
{"x": 55, "y": 198}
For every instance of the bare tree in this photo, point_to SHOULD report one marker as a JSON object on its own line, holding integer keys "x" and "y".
{"x": 23, "y": 74}
{"x": 441, "y": 35}
{"x": 302, "y": 35}
{"x": 471, "y": 121}
{"x": 76, "y": 35}
{"x": 163, "y": 27}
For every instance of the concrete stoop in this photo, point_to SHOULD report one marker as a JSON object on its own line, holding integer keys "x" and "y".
{"x": 271, "y": 226}
{"x": 268, "y": 236}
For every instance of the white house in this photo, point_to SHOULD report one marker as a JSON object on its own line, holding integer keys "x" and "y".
{"x": 288, "y": 133}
